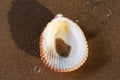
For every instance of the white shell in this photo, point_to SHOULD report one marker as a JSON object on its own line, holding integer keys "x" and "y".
{"x": 73, "y": 36}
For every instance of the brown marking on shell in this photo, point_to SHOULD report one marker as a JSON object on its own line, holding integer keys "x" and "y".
{"x": 62, "y": 48}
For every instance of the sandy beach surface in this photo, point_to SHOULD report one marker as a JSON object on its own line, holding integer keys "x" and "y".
{"x": 22, "y": 21}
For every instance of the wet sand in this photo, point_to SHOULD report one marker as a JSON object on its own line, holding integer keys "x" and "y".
{"x": 22, "y": 21}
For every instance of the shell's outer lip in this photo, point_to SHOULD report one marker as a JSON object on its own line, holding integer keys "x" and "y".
{"x": 59, "y": 70}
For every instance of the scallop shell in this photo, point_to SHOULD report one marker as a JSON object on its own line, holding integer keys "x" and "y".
{"x": 70, "y": 33}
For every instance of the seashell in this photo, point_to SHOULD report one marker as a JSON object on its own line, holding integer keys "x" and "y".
{"x": 63, "y": 45}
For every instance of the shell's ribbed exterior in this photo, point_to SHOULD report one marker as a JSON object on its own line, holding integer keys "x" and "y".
{"x": 75, "y": 37}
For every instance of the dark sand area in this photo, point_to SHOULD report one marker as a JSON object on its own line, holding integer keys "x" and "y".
{"x": 22, "y": 21}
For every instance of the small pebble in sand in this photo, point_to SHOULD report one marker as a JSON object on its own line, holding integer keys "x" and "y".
{"x": 36, "y": 69}
{"x": 35, "y": 53}
{"x": 76, "y": 20}
{"x": 109, "y": 12}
